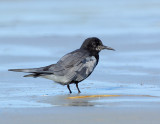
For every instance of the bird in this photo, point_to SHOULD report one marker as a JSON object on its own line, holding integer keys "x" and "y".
{"x": 73, "y": 67}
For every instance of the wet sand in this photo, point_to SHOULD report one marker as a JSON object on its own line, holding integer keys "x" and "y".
{"x": 79, "y": 115}
{"x": 125, "y": 86}
{"x": 130, "y": 76}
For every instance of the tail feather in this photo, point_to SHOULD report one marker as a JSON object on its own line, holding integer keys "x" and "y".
{"x": 45, "y": 69}
{"x": 36, "y": 72}
{"x": 23, "y": 70}
{"x": 30, "y": 75}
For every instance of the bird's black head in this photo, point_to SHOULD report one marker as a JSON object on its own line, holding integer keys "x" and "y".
{"x": 94, "y": 44}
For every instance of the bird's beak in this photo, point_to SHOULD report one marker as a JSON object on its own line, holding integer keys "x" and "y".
{"x": 106, "y": 47}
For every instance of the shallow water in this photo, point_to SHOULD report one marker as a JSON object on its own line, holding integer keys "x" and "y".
{"x": 85, "y": 17}
{"x": 36, "y": 33}
{"x": 132, "y": 72}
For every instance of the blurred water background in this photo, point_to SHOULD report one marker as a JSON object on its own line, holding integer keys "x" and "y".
{"x": 36, "y": 33}
{"x": 85, "y": 17}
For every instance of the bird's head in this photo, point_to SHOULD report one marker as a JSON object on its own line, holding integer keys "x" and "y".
{"x": 94, "y": 44}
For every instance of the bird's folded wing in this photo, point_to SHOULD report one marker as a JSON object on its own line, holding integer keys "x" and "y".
{"x": 69, "y": 62}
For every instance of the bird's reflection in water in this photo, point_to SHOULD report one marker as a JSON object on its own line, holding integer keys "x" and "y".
{"x": 64, "y": 101}
{"x": 79, "y": 103}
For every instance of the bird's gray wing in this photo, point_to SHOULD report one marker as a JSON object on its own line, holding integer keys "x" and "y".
{"x": 68, "y": 62}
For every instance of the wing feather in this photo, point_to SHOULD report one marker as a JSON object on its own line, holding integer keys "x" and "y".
{"x": 67, "y": 62}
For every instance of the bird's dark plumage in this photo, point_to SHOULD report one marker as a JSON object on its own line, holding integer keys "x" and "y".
{"x": 74, "y": 67}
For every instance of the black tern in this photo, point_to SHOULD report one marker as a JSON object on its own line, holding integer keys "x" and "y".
{"x": 73, "y": 67}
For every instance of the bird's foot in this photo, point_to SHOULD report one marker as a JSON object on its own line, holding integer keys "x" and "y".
{"x": 79, "y": 91}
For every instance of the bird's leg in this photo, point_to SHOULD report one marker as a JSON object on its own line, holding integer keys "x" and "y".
{"x": 69, "y": 88}
{"x": 78, "y": 88}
